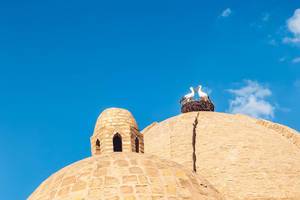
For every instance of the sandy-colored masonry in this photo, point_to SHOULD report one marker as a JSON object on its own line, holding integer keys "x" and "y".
{"x": 242, "y": 157}
{"x": 114, "y": 121}
{"x": 236, "y": 158}
{"x": 125, "y": 176}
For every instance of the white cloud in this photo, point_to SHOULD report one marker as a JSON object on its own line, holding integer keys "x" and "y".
{"x": 282, "y": 59}
{"x": 293, "y": 25}
{"x": 272, "y": 41}
{"x": 296, "y": 60}
{"x": 266, "y": 17}
{"x": 289, "y": 40}
{"x": 226, "y": 12}
{"x": 251, "y": 100}
{"x": 294, "y": 22}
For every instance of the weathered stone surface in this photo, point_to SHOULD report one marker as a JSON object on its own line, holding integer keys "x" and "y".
{"x": 114, "y": 121}
{"x": 133, "y": 180}
{"x": 242, "y": 157}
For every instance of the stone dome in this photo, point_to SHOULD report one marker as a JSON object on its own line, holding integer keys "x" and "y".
{"x": 124, "y": 176}
{"x": 112, "y": 117}
{"x": 242, "y": 157}
{"x": 116, "y": 130}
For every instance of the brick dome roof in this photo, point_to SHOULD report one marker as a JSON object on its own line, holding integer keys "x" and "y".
{"x": 243, "y": 157}
{"x": 124, "y": 176}
{"x": 113, "y": 117}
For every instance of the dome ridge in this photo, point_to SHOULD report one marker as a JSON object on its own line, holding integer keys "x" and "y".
{"x": 289, "y": 133}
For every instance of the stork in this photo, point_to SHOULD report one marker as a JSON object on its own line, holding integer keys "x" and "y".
{"x": 201, "y": 93}
{"x": 190, "y": 95}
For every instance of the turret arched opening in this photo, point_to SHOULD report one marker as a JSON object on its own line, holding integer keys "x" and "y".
{"x": 137, "y": 145}
{"x": 98, "y": 149}
{"x": 117, "y": 142}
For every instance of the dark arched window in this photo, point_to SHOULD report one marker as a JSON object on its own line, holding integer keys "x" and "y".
{"x": 117, "y": 142}
{"x": 97, "y": 146}
{"x": 137, "y": 145}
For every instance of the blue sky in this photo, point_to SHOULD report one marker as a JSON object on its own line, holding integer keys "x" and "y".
{"x": 63, "y": 62}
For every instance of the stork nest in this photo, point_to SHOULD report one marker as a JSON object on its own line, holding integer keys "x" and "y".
{"x": 197, "y": 105}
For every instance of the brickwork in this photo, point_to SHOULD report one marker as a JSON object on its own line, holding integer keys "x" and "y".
{"x": 125, "y": 176}
{"x": 288, "y": 133}
{"x": 242, "y": 157}
{"x": 114, "y": 121}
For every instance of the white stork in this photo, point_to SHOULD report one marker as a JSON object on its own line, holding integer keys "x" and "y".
{"x": 190, "y": 95}
{"x": 201, "y": 93}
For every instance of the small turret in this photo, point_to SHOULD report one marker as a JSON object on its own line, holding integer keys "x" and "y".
{"x": 116, "y": 131}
